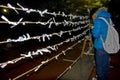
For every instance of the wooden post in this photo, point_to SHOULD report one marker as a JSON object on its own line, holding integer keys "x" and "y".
{"x": 84, "y": 45}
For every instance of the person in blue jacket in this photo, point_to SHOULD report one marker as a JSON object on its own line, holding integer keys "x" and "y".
{"x": 100, "y": 28}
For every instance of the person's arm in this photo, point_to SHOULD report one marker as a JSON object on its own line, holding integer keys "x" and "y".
{"x": 96, "y": 29}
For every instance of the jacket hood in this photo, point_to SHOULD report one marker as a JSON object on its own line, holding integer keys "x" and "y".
{"x": 103, "y": 13}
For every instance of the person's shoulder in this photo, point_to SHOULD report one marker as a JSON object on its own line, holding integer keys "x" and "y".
{"x": 98, "y": 20}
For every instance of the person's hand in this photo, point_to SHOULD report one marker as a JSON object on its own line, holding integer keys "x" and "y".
{"x": 91, "y": 27}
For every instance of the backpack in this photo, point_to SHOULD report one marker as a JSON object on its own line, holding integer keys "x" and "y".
{"x": 111, "y": 44}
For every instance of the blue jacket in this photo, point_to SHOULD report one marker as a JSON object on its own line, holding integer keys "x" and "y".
{"x": 100, "y": 28}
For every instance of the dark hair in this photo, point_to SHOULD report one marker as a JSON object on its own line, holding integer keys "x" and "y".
{"x": 92, "y": 12}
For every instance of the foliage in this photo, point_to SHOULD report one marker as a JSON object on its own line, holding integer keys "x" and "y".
{"x": 78, "y": 7}
{"x": 82, "y": 6}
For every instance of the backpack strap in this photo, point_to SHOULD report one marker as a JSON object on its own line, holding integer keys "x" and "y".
{"x": 111, "y": 23}
{"x": 102, "y": 18}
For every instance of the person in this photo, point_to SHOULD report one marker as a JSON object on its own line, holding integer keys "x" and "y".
{"x": 100, "y": 55}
